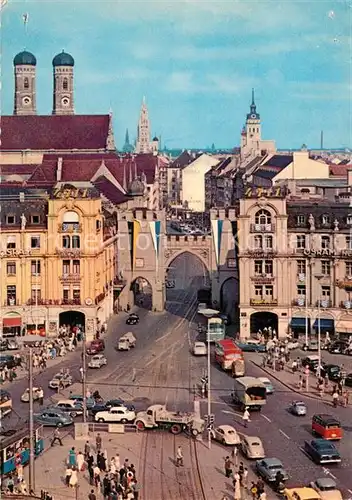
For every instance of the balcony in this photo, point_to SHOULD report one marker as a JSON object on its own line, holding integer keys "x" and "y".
{"x": 301, "y": 277}
{"x": 263, "y": 278}
{"x": 346, "y": 304}
{"x": 299, "y": 301}
{"x": 70, "y": 278}
{"x": 69, "y": 228}
{"x": 54, "y": 302}
{"x": 345, "y": 283}
{"x": 324, "y": 303}
{"x": 11, "y": 302}
{"x": 262, "y": 228}
{"x": 263, "y": 302}
{"x": 69, "y": 253}
{"x": 261, "y": 252}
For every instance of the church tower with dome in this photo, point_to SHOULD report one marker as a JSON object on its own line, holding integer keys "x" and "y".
{"x": 63, "y": 103}
{"x": 25, "y": 93}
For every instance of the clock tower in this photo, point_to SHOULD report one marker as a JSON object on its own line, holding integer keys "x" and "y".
{"x": 253, "y": 127}
{"x": 25, "y": 94}
{"x": 63, "y": 84}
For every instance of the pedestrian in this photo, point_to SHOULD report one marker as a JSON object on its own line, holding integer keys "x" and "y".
{"x": 126, "y": 464}
{"x": 245, "y": 478}
{"x": 86, "y": 450}
{"x": 345, "y": 399}
{"x": 96, "y": 472}
{"x": 117, "y": 462}
{"x": 91, "y": 474}
{"x": 228, "y": 467}
{"x": 80, "y": 461}
{"x": 262, "y": 495}
{"x": 254, "y": 490}
{"x": 41, "y": 396}
{"x": 136, "y": 489}
{"x": 68, "y": 474}
{"x": 72, "y": 457}
{"x": 245, "y": 417}
{"x": 335, "y": 399}
{"x": 92, "y": 495}
{"x": 81, "y": 371}
{"x": 106, "y": 486}
{"x": 74, "y": 478}
{"x": 179, "y": 457}
{"x": 98, "y": 443}
{"x": 57, "y": 437}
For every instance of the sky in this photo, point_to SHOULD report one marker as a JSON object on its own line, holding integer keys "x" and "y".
{"x": 195, "y": 61}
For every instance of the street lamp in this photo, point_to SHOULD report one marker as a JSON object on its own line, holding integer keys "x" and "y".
{"x": 319, "y": 277}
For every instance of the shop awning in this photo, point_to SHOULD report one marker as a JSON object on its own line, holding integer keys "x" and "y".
{"x": 298, "y": 322}
{"x": 326, "y": 324}
{"x": 344, "y": 326}
{"x": 13, "y": 321}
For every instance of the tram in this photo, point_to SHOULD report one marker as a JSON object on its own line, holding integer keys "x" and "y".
{"x": 14, "y": 447}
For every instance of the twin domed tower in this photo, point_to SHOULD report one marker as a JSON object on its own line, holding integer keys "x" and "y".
{"x": 25, "y": 87}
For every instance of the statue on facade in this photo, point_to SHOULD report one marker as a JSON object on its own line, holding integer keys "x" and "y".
{"x": 23, "y": 222}
{"x": 336, "y": 225}
{"x": 311, "y": 222}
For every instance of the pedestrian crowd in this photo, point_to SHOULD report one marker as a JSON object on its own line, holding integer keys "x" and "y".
{"x": 239, "y": 475}
{"x": 114, "y": 479}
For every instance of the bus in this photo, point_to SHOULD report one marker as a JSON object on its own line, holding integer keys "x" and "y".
{"x": 5, "y": 404}
{"x": 14, "y": 447}
{"x": 216, "y": 330}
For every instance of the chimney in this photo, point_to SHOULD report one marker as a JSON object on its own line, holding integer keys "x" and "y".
{"x": 21, "y": 197}
{"x": 59, "y": 170}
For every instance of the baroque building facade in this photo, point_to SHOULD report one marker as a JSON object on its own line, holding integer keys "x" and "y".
{"x": 295, "y": 263}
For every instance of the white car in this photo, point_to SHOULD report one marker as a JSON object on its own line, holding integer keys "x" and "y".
{"x": 226, "y": 434}
{"x": 200, "y": 349}
{"x": 25, "y": 395}
{"x": 97, "y": 361}
{"x": 268, "y": 385}
{"x": 60, "y": 380}
{"x": 201, "y": 307}
{"x": 69, "y": 406}
{"x": 252, "y": 447}
{"x": 119, "y": 414}
{"x": 327, "y": 488}
{"x": 292, "y": 344}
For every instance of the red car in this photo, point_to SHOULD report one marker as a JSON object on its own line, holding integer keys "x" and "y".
{"x": 96, "y": 346}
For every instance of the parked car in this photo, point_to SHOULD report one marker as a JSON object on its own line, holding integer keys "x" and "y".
{"x": 118, "y": 414}
{"x": 200, "y": 349}
{"x": 332, "y": 371}
{"x": 338, "y": 347}
{"x": 348, "y": 380}
{"x": 251, "y": 345}
{"x": 268, "y": 385}
{"x": 302, "y": 493}
{"x": 269, "y": 467}
{"x": 226, "y": 434}
{"x": 9, "y": 361}
{"x": 292, "y": 344}
{"x": 96, "y": 346}
{"x": 111, "y": 403}
{"x": 25, "y": 395}
{"x": 311, "y": 361}
{"x": 60, "y": 380}
{"x": 322, "y": 451}
{"x": 298, "y": 408}
{"x": 69, "y": 406}
{"x": 327, "y": 488}
{"x": 52, "y": 417}
{"x": 12, "y": 344}
{"x": 252, "y": 447}
{"x": 97, "y": 361}
{"x": 79, "y": 399}
{"x": 133, "y": 319}
{"x": 312, "y": 345}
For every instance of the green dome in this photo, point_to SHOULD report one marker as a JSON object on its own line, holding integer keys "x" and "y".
{"x": 63, "y": 59}
{"x": 25, "y": 58}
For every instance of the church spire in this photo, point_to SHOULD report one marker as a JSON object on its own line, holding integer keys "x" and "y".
{"x": 253, "y": 114}
{"x": 143, "y": 131}
{"x": 253, "y": 102}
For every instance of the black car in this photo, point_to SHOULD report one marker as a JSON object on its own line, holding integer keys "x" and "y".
{"x": 312, "y": 362}
{"x": 111, "y": 403}
{"x": 9, "y": 361}
{"x": 133, "y": 319}
{"x": 338, "y": 347}
{"x": 348, "y": 380}
{"x": 322, "y": 451}
{"x": 332, "y": 371}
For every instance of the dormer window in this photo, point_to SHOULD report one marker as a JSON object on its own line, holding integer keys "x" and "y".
{"x": 10, "y": 219}
{"x": 301, "y": 220}
{"x": 325, "y": 219}
{"x": 349, "y": 219}
{"x": 35, "y": 219}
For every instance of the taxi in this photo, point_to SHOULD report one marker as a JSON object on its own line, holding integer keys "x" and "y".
{"x": 301, "y": 494}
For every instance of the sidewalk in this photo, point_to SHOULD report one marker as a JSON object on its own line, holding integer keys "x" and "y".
{"x": 290, "y": 380}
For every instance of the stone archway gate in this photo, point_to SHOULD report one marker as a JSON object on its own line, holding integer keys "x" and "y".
{"x": 145, "y": 250}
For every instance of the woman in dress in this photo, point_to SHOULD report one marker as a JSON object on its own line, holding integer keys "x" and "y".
{"x": 72, "y": 461}
{"x": 80, "y": 461}
{"x": 74, "y": 478}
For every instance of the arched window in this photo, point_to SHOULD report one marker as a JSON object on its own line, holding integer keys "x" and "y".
{"x": 76, "y": 242}
{"x": 66, "y": 242}
{"x": 70, "y": 221}
{"x": 263, "y": 217}
{"x": 26, "y": 83}
{"x": 65, "y": 84}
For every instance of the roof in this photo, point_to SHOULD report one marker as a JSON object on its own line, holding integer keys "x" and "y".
{"x": 339, "y": 170}
{"x": 55, "y": 132}
{"x": 325, "y": 482}
{"x": 272, "y": 461}
{"x": 326, "y": 417}
{"x": 304, "y": 493}
{"x": 183, "y": 160}
{"x": 110, "y": 191}
{"x": 17, "y": 169}
{"x": 63, "y": 59}
{"x": 24, "y": 57}
{"x": 267, "y": 173}
{"x": 318, "y": 208}
{"x": 280, "y": 161}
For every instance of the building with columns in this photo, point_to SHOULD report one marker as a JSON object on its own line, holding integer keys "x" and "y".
{"x": 295, "y": 263}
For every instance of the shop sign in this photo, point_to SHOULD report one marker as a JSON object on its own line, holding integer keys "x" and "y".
{"x": 259, "y": 192}
{"x": 70, "y": 192}
{"x": 15, "y": 252}
{"x": 323, "y": 252}
{"x": 263, "y": 302}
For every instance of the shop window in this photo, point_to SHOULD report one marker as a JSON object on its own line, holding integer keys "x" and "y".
{"x": 35, "y": 242}
{"x": 35, "y": 268}
{"x": 11, "y": 268}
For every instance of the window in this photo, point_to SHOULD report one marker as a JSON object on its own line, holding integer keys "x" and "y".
{"x": 76, "y": 267}
{"x": 11, "y": 242}
{"x": 76, "y": 242}
{"x": 269, "y": 291}
{"x": 11, "y": 295}
{"x": 35, "y": 241}
{"x": 325, "y": 242}
{"x": 268, "y": 267}
{"x": 65, "y": 84}
{"x": 349, "y": 219}
{"x": 325, "y": 219}
{"x": 325, "y": 292}
{"x": 258, "y": 291}
{"x": 348, "y": 242}
{"x": 301, "y": 290}
{"x": 65, "y": 267}
{"x": 325, "y": 267}
{"x": 35, "y": 268}
{"x": 263, "y": 217}
{"x": 77, "y": 295}
{"x": 348, "y": 268}
{"x": 258, "y": 242}
{"x": 301, "y": 266}
{"x": 258, "y": 267}
{"x": 97, "y": 224}
{"x": 301, "y": 220}
{"x": 26, "y": 83}
{"x": 11, "y": 268}
{"x": 35, "y": 219}
{"x": 268, "y": 242}
{"x": 66, "y": 294}
{"x": 66, "y": 242}
{"x": 36, "y": 295}
{"x": 10, "y": 219}
{"x": 301, "y": 241}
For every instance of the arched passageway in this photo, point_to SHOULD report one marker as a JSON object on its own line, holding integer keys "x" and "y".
{"x": 229, "y": 298}
{"x": 72, "y": 318}
{"x": 264, "y": 320}
{"x": 142, "y": 293}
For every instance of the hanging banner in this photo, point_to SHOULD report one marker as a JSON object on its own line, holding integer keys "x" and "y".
{"x": 217, "y": 234}
{"x": 155, "y": 228}
{"x": 134, "y": 228}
